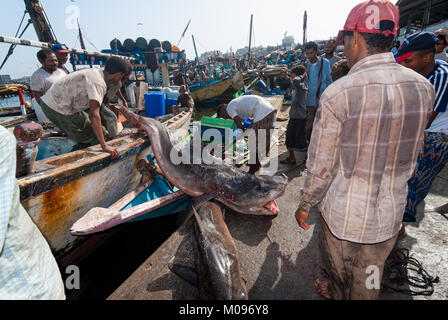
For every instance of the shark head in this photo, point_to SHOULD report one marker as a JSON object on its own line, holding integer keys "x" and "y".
{"x": 257, "y": 196}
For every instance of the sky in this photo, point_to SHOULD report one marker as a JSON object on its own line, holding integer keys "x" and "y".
{"x": 215, "y": 24}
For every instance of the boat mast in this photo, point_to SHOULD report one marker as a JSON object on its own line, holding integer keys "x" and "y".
{"x": 250, "y": 41}
{"x": 195, "y": 50}
{"x": 305, "y": 23}
{"x": 81, "y": 39}
{"x": 43, "y": 28}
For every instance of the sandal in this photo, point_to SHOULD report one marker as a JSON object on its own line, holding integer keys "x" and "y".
{"x": 288, "y": 161}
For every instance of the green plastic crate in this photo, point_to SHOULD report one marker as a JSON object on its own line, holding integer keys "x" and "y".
{"x": 218, "y": 123}
{"x": 221, "y": 125}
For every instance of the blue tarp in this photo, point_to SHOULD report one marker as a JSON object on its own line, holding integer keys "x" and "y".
{"x": 156, "y": 190}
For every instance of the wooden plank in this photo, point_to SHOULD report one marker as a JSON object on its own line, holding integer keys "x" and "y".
{"x": 101, "y": 219}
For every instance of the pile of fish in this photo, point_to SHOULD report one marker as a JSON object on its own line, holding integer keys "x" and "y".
{"x": 231, "y": 187}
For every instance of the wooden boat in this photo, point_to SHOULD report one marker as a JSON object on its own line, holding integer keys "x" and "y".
{"x": 65, "y": 187}
{"x": 152, "y": 199}
{"x": 12, "y": 89}
{"x": 213, "y": 89}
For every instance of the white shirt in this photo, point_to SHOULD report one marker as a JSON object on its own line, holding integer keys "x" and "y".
{"x": 439, "y": 79}
{"x": 41, "y": 80}
{"x": 250, "y": 107}
{"x": 73, "y": 93}
{"x": 28, "y": 270}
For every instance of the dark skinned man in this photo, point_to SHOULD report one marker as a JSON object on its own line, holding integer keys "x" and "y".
{"x": 66, "y": 103}
{"x": 43, "y": 78}
{"x": 417, "y": 53}
{"x": 330, "y": 48}
{"x": 62, "y": 53}
{"x": 263, "y": 114}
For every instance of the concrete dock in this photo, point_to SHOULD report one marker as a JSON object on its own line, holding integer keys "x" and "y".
{"x": 279, "y": 260}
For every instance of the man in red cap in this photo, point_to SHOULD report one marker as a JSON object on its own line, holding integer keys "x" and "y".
{"x": 368, "y": 132}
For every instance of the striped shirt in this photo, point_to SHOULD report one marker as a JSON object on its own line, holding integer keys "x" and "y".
{"x": 28, "y": 270}
{"x": 439, "y": 79}
{"x": 367, "y": 136}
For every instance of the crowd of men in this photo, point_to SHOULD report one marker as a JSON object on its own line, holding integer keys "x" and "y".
{"x": 374, "y": 127}
{"x": 380, "y": 137}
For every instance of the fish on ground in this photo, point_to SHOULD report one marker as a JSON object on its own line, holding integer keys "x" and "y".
{"x": 236, "y": 189}
{"x": 217, "y": 275}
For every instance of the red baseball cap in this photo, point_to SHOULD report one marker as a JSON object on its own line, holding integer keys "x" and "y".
{"x": 366, "y": 17}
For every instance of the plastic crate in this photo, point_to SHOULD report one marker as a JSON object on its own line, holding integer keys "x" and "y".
{"x": 221, "y": 125}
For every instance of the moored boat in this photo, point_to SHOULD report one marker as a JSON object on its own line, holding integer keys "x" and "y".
{"x": 66, "y": 186}
{"x": 215, "y": 88}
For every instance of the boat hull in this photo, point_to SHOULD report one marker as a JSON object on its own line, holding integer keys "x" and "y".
{"x": 212, "y": 91}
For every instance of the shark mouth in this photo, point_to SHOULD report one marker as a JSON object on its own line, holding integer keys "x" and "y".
{"x": 272, "y": 207}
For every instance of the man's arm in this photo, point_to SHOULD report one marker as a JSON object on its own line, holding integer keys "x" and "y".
{"x": 37, "y": 95}
{"x": 239, "y": 122}
{"x": 323, "y": 154}
{"x": 431, "y": 119}
{"x": 37, "y": 87}
{"x": 95, "y": 119}
{"x": 121, "y": 97}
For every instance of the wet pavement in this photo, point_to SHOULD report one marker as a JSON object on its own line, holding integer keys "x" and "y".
{"x": 280, "y": 261}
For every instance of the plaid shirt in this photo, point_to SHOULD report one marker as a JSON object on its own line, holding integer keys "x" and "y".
{"x": 367, "y": 136}
{"x": 28, "y": 270}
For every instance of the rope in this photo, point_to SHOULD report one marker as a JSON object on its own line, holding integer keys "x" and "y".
{"x": 23, "y": 18}
{"x": 403, "y": 270}
{"x": 51, "y": 28}
{"x": 85, "y": 36}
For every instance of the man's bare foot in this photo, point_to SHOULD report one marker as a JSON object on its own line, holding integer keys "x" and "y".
{"x": 322, "y": 289}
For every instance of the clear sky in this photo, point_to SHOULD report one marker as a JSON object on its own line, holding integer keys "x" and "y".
{"x": 215, "y": 24}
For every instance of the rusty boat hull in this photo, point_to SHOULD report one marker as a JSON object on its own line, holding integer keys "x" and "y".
{"x": 66, "y": 186}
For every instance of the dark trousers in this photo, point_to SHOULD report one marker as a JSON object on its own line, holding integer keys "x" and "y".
{"x": 296, "y": 134}
{"x": 347, "y": 265}
{"x": 311, "y": 111}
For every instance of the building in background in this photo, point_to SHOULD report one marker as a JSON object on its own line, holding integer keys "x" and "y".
{"x": 5, "y": 78}
{"x": 421, "y": 15}
{"x": 288, "y": 43}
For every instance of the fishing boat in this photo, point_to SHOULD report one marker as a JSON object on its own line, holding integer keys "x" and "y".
{"x": 65, "y": 186}
{"x": 13, "y": 89}
{"x": 212, "y": 89}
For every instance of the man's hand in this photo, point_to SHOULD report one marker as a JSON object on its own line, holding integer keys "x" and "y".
{"x": 113, "y": 152}
{"x": 304, "y": 77}
{"x": 301, "y": 217}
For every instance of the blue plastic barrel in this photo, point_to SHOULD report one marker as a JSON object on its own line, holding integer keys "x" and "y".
{"x": 155, "y": 104}
{"x": 170, "y": 102}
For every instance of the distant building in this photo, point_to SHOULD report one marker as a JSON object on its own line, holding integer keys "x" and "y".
{"x": 204, "y": 57}
{"x": 421, "y": 15}
{"x": 23, "y": 80}
{"x": 288, "y": 43}
{"x": 5, "y": 79}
